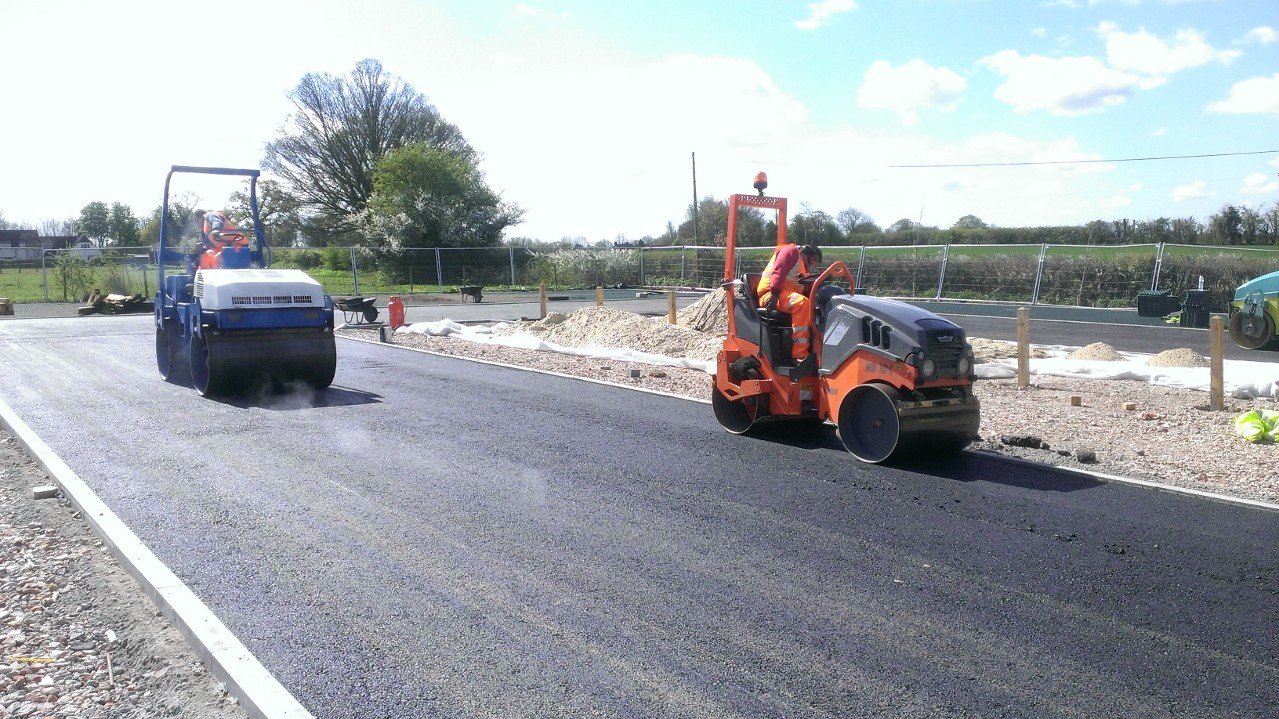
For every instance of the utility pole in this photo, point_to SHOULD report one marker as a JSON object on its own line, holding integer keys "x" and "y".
{"x": 696, "y": 231}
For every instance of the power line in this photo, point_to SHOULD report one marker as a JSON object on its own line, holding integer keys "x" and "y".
{"x": 1082, "y": 162}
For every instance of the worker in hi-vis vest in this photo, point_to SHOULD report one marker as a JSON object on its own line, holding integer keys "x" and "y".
{"x": 788, "y": 266}
{"x": 213, "y": 225}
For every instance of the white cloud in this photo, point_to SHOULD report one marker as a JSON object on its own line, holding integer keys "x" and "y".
{"x": 1263, "y": 35}
{"x": 1122, "y": 197}
{"x": 909, "y": 88}
{"x": 1159, "y": 132}
{"x": 1144, "y": 53}
{"x": 820, "y": 12}
{"x": 1259, "y": 183}
{"x": 1193, "y": 191}
{"x": 1061, "y": 86}
{"x": 526, "y": 10}
{"x": 1257, "y": 95}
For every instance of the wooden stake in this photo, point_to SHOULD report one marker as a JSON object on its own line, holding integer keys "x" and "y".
{"x": 1216, "y": 394}
{"x": 599, "y": 296}
{"x": 1076, "y": 400}
{"x": 1023, "y": 347}
{"x": 670, "y": 307}
{"x": 542, "y": 299}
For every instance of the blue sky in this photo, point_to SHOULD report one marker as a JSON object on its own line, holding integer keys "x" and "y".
{"x": 587, "y": 113}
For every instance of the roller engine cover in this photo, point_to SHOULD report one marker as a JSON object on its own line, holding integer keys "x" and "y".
{"x": 893, "y": 329}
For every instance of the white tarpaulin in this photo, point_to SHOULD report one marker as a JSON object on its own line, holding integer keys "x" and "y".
{"x": 484, "y": 334}
{"x": 1242, "y": 379}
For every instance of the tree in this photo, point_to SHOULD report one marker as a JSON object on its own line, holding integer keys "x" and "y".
{"x": 905, "y": 224}
{"x": 853, "y": 221}
{"x": 55, "y": 228}
{"x": 1271, "y": 215}
{"x": 181, "y": 223}
{"x": 123, "y": 226}
{"x": 1156, "y": 230}
{"x": 339, "y": 131}
{"x": 94, "y": 222}
{"x": 969, "y": 222}
{"x": 1252, "y": 225}
{"x": 424, "y": 196}
{"x": 1186, "y": 231}
{"x": 814, "y": 227}
{"x": 278, "y": 211}
{"x": 1226, "y": 226}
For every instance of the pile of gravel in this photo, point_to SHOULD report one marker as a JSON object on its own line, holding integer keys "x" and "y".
{"x": 1097, "y": 351}
{"x": 1180, "y": 357}
{"x": 985, "y": 350}
{"x": 607, "y": 327}
{"x": 709, "y": 314}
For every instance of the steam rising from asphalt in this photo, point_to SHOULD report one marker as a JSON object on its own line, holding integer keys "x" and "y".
{"x": 294, "y": 395}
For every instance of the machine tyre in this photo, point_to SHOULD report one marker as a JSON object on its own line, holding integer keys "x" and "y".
{"x": 170, "y": 357}
{"x": 321, "y": 372}
{"x": 208, "y": 372}
{"x": 868, "y": 423}
{"x": 1262, "y": 336}
{"x": 738, "y": 416}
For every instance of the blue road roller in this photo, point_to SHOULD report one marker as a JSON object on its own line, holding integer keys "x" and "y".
{"x": 228, "y": 322}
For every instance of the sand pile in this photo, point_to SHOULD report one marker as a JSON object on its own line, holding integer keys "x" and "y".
{"x": 1180, "y": 357}
{"x": 607, "y": 327}
{"x": 985, "y": 350}
{"x": 1097, "y": 351}
{"x": 709, "y": 314}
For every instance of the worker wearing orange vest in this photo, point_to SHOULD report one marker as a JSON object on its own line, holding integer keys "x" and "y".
{"x": 214, "y": 224}
{"x": 788, "y": 266}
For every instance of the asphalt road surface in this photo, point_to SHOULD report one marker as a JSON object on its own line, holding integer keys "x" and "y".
{"x": 432, "y": 537}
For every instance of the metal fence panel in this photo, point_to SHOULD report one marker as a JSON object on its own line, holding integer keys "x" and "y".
{"x": 1096, "y": 275}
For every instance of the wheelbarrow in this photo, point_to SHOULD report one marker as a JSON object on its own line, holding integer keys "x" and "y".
{"x": 358, "y": 310}
{"x": 475, "y": 292}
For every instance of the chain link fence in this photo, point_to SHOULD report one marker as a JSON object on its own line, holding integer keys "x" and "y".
{"x": 1084, "y": 275}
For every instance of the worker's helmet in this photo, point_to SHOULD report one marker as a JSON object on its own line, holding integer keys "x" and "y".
{"x": 811, "y": 253}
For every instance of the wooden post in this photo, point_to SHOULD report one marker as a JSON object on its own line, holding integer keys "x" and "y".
{"x": 599, "y": 296}
{"x": 670, "y": 307}
{"x": 1023, "y": 347}
{"x": 542, "y": 299}
{"x": 1216, "y": 394}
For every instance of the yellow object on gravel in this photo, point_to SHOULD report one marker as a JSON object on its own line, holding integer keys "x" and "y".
{"x": 1259, "y": 425}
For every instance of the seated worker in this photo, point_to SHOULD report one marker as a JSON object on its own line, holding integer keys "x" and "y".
{"x": 789, "y": 266}
{"x": 213, "y": 225}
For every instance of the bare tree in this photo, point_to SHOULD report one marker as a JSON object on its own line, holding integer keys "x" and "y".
{"x": 58, "y": 227}
{"x": 341, "y": 127}
{"x": 852, "y": 220}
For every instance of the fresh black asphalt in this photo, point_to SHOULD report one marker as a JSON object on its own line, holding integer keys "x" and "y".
{"x": 433, "y": 537}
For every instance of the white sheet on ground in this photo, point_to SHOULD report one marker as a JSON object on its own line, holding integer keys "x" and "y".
{"x": 1242, "y": 379}
{"x": 484, "y": 334}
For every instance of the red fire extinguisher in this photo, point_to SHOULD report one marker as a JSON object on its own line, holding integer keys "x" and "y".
{"x": 395, "y": 308}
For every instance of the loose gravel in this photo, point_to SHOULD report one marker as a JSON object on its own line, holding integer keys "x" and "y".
{"x": 78, "y": 638}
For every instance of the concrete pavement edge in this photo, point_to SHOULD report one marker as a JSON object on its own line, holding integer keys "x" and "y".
{"x": 257, "y": 690}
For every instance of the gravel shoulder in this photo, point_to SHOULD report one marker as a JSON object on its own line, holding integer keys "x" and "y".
{"x": 79, "y": 638}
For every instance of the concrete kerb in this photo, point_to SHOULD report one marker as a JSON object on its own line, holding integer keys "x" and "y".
{"x": 988, "y": 455}
{"x": 260, "y": 693}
